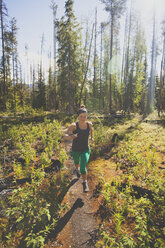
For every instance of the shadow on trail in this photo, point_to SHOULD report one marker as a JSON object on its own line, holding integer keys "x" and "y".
{"x": 65, "y": 219}
{"x": 65, "y": 190}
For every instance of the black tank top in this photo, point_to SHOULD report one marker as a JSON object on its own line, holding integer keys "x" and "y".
{"x": 80, "y": 143}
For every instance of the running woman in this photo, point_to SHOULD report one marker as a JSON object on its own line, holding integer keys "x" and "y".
{"x": 79, "y": 134}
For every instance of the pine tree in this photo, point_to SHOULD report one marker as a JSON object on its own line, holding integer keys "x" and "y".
{"x": 21, "y": 88}
{"x": 50, "y": 89}
{"x": 41, "y": 94}
{"x": 69, "y": 64}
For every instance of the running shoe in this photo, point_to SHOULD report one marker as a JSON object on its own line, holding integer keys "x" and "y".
{"x": 77, "y": 173}
{"x": 85, "y": 186}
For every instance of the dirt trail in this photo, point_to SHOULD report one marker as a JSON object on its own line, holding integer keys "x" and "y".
{"x": 77, "y": 228}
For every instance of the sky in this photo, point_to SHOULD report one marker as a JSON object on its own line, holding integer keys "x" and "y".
{"x": 35, "y": 20}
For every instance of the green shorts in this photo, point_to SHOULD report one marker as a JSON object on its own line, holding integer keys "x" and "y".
{"x": 82, "y": 159}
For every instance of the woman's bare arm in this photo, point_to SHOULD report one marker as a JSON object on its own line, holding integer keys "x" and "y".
{"x": 69, "y": 133}
{"x": 91, "y": 131}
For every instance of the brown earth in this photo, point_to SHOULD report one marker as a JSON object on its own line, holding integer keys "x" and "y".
{"x": 78, "y": 227}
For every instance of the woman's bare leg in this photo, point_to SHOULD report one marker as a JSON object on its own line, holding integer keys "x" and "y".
{"x": 76, "y": 171}
{"x": 84, "y": 177}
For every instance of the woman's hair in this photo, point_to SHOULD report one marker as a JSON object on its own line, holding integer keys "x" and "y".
{"x": 82, "y": 109}
{"x": 82, "y": 106}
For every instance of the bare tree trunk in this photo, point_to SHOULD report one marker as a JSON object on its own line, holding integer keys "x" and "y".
{"x": 21, "y": 87}
{"x": 87, "y": 66}
{"x": 34, "y": 79}
{"x": 115, "y": 9}
{"x": 126, "y": 70}
{"x": 13, "y": 61}
{"x": 69, "y": 85}
{"x": 162, "y": 77}
{"x": 49, "y": 82}
{"x": 3, "y": 59}
{"x": 129, "y": 103}
{"x": 101, "y": 51}
{"x": 152, "y": 75}
{"x": 31, "y": 80}
{"x": 85, "y": 52}
{"x": 124, "y": 48}
{"x": 94, "y": 74}
{"x": 27, "y": 64}
{"x": 111, "y": 54}
{"x": 16, "y": 73}
{"x": 54, "y": 8}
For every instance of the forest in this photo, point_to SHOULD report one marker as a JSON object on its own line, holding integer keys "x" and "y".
{"x": 81, "y": 72}
{"x": 122, "y": 86}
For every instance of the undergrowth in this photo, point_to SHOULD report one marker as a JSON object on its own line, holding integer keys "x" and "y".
{"x": 132, "y": 210}
{"x": 31, "y": 210}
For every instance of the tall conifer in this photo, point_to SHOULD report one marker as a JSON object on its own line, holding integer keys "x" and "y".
{"x": 69, "y": 63}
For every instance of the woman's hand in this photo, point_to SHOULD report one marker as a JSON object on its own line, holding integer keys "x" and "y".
{"x": 73, "y": 136}
{"x": 92, "y": 140}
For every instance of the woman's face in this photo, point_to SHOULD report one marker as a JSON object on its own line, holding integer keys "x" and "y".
{"x": 82, "y": 117}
